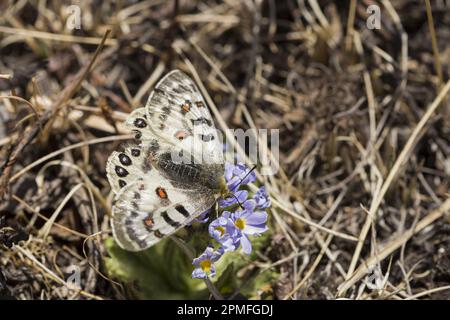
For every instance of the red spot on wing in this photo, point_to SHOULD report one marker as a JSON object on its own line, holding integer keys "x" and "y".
{"x": 180, "y": 135}
{"x": 161, "y": 192}
{"x": 149, "y": 222}
{"x": 185, "y": 107}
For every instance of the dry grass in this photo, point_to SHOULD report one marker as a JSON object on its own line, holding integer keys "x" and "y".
{"x": 364, "y": 121}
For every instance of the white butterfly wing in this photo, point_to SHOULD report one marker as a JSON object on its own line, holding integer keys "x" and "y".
{"x": 179, "y": 115}
{"x": 148, "y": 206}
{"x": 152, "y": 208}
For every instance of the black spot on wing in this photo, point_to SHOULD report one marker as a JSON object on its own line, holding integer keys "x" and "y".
{"x": 201, "y": 120}
{"x": 159, "y": 234}
{"x": 169, "y": 220}
{"x": 154, "y": 146}
{"x": 135, "y": 152}
{"x": 122, "y": 183}
{"x": 182, "y": 88}
{"x": 159, "y": 91}
{"x": 140, "y": 123}
{"x": 121, "y": 172}
{"x": 182, "y": 210}
{"x": 206, "y": 137}
{"x": 166, "y": 110}
{"x": 149, "y": 223}
{"x": 124, "y": 159}
{"x": 134, "y": 214}
{"x": 134, "y": 238}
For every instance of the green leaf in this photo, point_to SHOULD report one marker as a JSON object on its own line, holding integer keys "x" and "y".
{"x": 164, "y": 271}
{"x": 160, "y": 272}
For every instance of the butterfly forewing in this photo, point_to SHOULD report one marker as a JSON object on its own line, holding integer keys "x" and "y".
{"x": 179, "y": 115}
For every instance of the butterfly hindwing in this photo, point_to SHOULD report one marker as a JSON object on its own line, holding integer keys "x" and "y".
{"x": 123, "y": 167}
{"x": 152, "y": 208}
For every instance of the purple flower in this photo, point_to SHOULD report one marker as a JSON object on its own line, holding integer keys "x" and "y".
{"x": 204, "y": 264}
{"x": 222, "y": 229}
{"x": 240, "y": 195}
{"x": 202, "y": 218}
{"x": 261, "y": 198}
{"x": 231, "y": 230}
{"x": 248, "y": 223}
{"x": 237, "y": 175}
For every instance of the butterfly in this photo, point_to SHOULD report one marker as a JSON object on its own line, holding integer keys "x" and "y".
{"x": 173, "y": 172}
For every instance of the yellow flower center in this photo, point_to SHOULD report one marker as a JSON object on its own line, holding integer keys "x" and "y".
{"x": 240, "y": 223}
{"x": 205, "y": 265}
{"x": 221, "y": 230}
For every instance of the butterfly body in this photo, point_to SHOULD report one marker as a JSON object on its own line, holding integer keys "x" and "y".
{"x": 173, "y": 173}
{"x": 193, "y": 175}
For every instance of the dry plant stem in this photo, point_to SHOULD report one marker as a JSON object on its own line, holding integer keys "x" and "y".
{"x": 65, "y": 149}
{"x": 20, "y": 99}
{"x": 427, "y": 292}
{"x": 31, "y": 132}
{"x": 437, "y": 60}
{"x": 43, "y": 233}
{"x": 318, "y": 12}
{"x": 393, "y": 245}
{"x": 93, "y": 236}
{"x": 313, "y": 224}
{"x": 51, "y": 274}
{"x": 25, "y": 33}
{"x": 350, "y": 23}
{"x": 26, "y": 205}
{"x": 283, "y": 228}
{"x": 369, "y": 90}
{"x": 88, "y": 183}
{"x": 402, "y": 158}
{"x": 372, "y": 121}
{"x": 145, "y": 88}
{"x": 312, "y": 268}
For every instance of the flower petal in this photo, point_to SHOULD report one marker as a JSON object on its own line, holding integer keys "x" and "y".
{"x": 240, "y": 196}
{"x": 246, "y": 245}
{"x": 253, "y": 230}
{"x": 258, "y": 217}
{"x": 249, "y": 205}
{"x": 198, "y": 273}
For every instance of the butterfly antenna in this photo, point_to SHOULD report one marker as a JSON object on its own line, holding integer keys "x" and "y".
{"x": 247, "y": 175}
{"x": 240, "y": 204}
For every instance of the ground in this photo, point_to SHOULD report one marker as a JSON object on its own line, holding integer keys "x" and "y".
{"x": 360, "y": 205}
